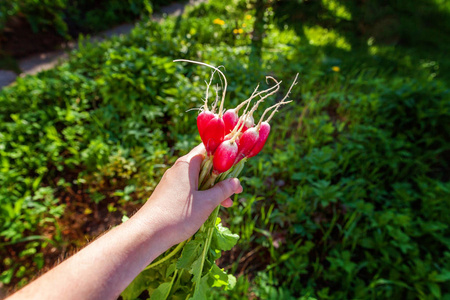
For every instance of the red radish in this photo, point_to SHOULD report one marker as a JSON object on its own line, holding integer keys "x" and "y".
{"x": 263, "y": 134}
{"x": 202, "y": 121}
{"x": 213, "y": 134}
{"x": 230, "y": 118}
{"x": 247, "y": 142}
{"x": 225, "y": 156}
{"x": 263, "y": 128}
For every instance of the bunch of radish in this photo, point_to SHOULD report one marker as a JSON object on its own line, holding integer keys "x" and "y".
{"x": 229, "y": 138}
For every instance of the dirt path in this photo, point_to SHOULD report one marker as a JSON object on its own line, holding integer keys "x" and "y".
{"x": 44, "y": 61}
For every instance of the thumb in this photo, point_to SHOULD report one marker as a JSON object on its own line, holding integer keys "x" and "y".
{"x": 222, "y": 190}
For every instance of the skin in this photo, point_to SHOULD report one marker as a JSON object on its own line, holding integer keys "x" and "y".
{"x": 173, "y": 213}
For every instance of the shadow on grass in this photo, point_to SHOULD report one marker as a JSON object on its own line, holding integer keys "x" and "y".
{"x": 417, "y": 30}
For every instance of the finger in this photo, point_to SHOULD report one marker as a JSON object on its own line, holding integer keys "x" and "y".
{"x": 199, "y": 149}
{"x": 195, "y": 158}
{"x": 194, "y": 169}
{"x": 240, "y": 188}
{"x": 196, "y": 151}
{"x": 222, "y": 190}
{"x": 227, "y": 203}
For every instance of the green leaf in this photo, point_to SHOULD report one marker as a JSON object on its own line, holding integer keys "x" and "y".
{"x": 435, "y": 289}
{"x": 219, "y": 276}
{"x": 6, "y": 276}
{"x": 162, "y": 292}
{"x": 223, "y": 238}
{"x": 231, "y": 282}
{"x": 196, "y": 267}
{"x": 443, "y": 277}
{"x": 191, "y": 251}
{"x": 171, "y": 269}
{"x": 202, "y": 292}
{"x": 136, "y": 287}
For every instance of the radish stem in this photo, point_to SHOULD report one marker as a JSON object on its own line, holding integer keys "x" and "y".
{"x": 206, "y": 245}
{"x": 206, "y": 169}
{"x": 210, "y": 181}
{"x": 237, "y": 169}
{"x": 174, "y": 251}
{"x": 235, "y": 132}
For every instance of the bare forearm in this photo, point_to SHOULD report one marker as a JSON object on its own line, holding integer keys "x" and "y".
{"x": 174, "y": 212}
{"x": 103, "y": 269}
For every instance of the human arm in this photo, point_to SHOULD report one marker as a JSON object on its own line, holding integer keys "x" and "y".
{"x": 173, "y": 213}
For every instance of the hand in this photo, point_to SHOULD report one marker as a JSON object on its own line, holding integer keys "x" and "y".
{"x": 177, "y": 207}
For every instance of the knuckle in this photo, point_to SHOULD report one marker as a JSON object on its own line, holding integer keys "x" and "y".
{"x": 182, "y": 161}
{"x": 179, "y": 160}
{"x": 167, "y": 173}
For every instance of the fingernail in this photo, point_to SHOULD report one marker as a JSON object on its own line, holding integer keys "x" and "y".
{"x": 235, "y": 182}
{"x": 236, "y": 185}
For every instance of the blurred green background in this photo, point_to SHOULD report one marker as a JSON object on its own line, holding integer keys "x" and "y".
{"x": 350, "y": 198}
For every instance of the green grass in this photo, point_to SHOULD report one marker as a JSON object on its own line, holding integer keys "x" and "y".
{"x": 349, "y": 199}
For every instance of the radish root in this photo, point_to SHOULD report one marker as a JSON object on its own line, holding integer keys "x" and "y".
{"x": 220, "y": 72}
{"x": 246, "y": 115}
{"x": 276, "y": 106}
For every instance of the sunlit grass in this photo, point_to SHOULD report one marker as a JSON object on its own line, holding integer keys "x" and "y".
{"x": 339, "y": 10}
{"x": 319, "y": 36}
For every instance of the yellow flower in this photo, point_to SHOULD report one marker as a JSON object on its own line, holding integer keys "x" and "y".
{"x": 248, "y": 17}
{"x": 238, "y": 31}
{"x": 219, "y": 22}
{"x": 244, "y": 25}
{"x": 335, "y": 68}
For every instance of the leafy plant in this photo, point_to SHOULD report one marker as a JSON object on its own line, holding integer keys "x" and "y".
{"x": 348, "y": 200}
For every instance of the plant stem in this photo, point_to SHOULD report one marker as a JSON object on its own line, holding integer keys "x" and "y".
{"x": 237, "y": 169}
{"x": 209, "y": 182}
{"x": 171, "y": 284}
{"x": 206, "y": 169}
{"x": 168, "y": 256}
{"x": 224, "y": 175}
{"x": 211, "y": 225}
